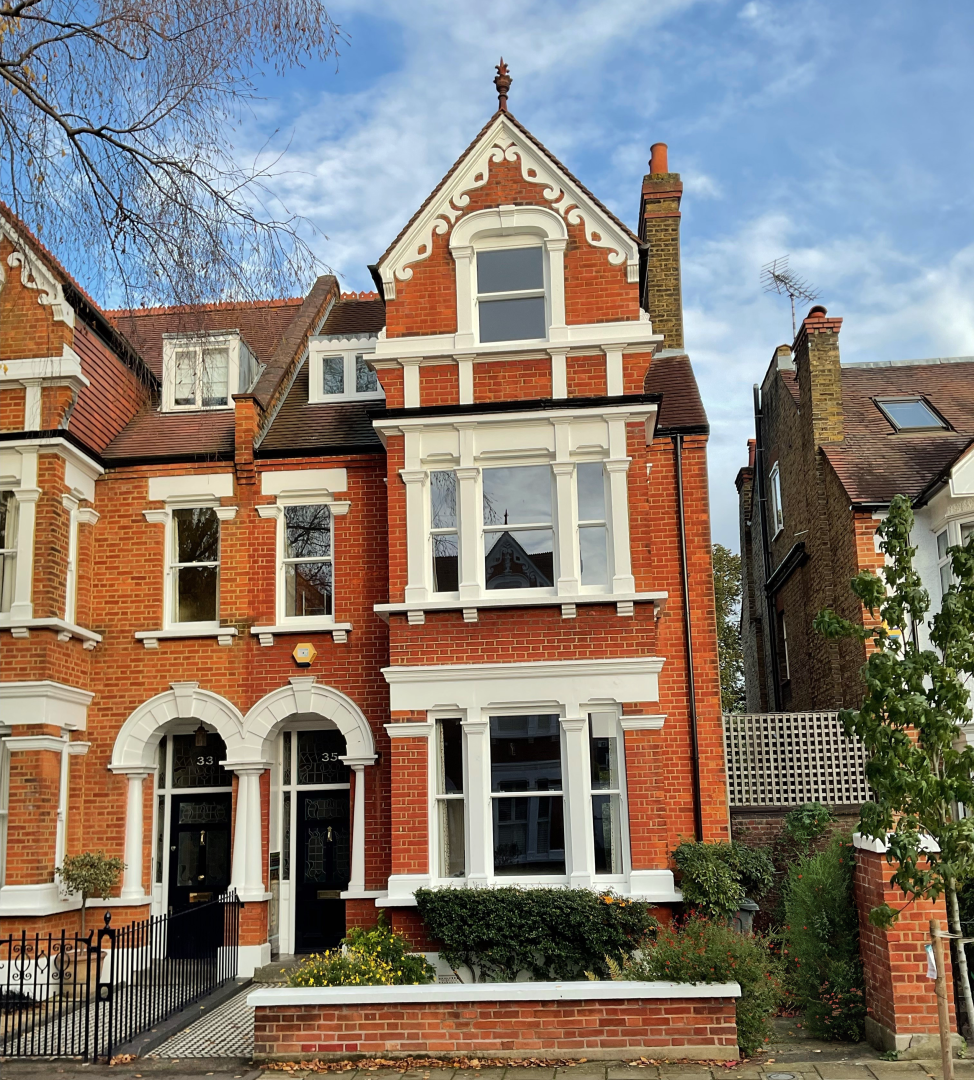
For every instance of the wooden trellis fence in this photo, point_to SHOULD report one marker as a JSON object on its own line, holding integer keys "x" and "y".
{"x": 786, "y": 759}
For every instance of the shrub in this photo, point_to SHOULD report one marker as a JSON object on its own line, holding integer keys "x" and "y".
{"x": 806, "y": 824}
{"x": 717, "y": 877}
{"x": 822, "y": 941}
{"x": 368, "y": 957}
{"x": 550, "y": 933}
{"x": 710, "y": 952}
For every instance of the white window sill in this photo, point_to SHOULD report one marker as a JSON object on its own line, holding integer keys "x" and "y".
{"x": 21, "y": 628}
{"x": 151, "y": 638}
{"x": 416, "y": 609}
{"x": 339, "y": 631}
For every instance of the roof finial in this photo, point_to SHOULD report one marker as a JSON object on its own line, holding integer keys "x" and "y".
{"x": 502, "y": 80}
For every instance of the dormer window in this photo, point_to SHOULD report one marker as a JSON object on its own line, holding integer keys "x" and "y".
{"x": 340, "y": 371}
{"x": 511, "y": 298}
{"x": 204, "y": 371}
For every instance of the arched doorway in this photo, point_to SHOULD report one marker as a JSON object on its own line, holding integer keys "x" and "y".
{"x": 315, "y": 834}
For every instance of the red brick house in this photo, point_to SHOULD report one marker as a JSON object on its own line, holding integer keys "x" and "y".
{"x": 833, "y": 444}
{"x": 330, "y": 598}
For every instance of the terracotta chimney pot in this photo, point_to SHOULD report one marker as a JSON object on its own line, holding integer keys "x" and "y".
{"x": 657, "y": 161}
{"x": 819, "y": 311}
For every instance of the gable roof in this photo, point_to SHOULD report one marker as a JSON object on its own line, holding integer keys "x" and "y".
{"x": 873, "y": 461}
{"x": 506, "y": 136}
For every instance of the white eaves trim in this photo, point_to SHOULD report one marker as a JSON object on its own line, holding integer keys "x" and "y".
{"x": 632, "y": 413}
{"x": 628, "y": 722}
{"x": 649, "y": 665}
{"x": 880, "y": 847}
{"x": 519, "y": 991}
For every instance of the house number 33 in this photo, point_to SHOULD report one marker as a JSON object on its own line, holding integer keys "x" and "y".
{"x": 204, "y": 759}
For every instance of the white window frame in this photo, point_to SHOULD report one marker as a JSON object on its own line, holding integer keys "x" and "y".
{"x": 621, "y": 792}
{"x": 572, "y": 787}
{"x": 777, "y": 509}
{"x": 240, "y": 359}
{"x": 512, "y": 243}
{"x": 436, "y": 870}
{"x": 435, "y": 531}
{"x": 484, "y": 528}
{"x": 939, "y": 424}
{"x": 508, "y": 227}
{"x": 10, "y": 552}
{"x": 943, "y": 561}
{"x": 349, "y": 349}
{"x": 170, "y": 622}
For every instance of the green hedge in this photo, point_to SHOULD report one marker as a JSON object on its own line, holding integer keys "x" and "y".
{"x": 368, "y": 957}
{"x": 821, "y": 936}
{"x": 550, "y": 933}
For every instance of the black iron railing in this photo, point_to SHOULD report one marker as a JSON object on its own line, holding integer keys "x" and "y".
{"x": 64, "y": 995}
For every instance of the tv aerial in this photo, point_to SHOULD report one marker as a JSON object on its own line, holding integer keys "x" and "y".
{"x": 777, "y": 277}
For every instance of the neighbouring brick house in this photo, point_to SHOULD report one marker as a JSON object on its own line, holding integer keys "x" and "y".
{"x": 833, "y": 444}
{"x": 330, "y": 598}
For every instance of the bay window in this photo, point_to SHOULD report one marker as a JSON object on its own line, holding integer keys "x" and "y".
{"x": 195, "y": 567}
{"x": 451, "y": 858}
{"x": 511, "y": 298}
{"x": 526, "y": 795}
{"x": 8, "y": 548}
{"x": 308, "y": 578}
{"x": 519, "y": 538}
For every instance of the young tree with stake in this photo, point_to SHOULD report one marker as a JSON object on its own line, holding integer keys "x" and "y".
{"x": 911, "y": 722}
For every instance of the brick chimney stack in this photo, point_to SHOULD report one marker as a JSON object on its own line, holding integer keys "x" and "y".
{"x": 659, "y": 229}
{"x": 816, "y": 353}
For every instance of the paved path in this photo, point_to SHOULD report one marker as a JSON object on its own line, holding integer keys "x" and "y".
{"x": 226, "y": 1032}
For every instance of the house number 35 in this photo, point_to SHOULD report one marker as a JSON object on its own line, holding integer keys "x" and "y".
{"x": 330, "y": 757}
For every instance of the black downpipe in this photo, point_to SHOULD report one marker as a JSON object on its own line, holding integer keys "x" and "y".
{"x": 691, "y": 687}
{"x": 771, "y": 612}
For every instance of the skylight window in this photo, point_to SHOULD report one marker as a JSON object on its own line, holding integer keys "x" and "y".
{"x": 909, "y": 414}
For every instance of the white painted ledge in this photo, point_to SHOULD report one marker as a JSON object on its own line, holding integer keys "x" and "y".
{"x": 21, "y": 628}
{"x": 516, "y": 598}
{"x": 523, "y": 991}
{"x": 151, "y": 638}
{"x": 338, "y": 631}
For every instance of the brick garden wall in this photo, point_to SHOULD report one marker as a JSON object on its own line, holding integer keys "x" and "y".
{"x": 689, "y": 1028}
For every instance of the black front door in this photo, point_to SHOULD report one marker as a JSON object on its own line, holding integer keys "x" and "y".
{"x": 323, "y": 848}
{"x": 199, "y": 849}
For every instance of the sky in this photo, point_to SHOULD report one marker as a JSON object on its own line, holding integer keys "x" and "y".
{"x": 837, "y": 132}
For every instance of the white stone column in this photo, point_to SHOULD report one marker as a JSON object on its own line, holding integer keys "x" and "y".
{"x": 469, "y": 521}
{"x": 618, "y": 470}
{"x": 132, "y": 877}
{"x": 567, "y": 576}
{"x": 578, "y": 809}
{"x": 356, "y": 881}
{"x": 416, "y": 533}
{"x": 555, "y": 246}
{"x": 27, "y": 494}
{"x": 480, "y": 850}
{"x": 614, "y": 382}
{"x": 247, "y": 876}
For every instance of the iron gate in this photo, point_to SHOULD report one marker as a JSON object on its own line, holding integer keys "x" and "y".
{"x": 68, "y": 995}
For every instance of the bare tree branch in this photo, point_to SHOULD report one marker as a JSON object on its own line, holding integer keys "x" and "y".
{"x": 116, "y": 120}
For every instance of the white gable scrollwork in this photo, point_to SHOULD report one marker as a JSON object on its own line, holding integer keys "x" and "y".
{"x": 34, "y": 274}
{"x": 503, "y": 142}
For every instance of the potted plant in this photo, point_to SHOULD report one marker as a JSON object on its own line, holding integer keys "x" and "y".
{"x": 91, "y": 873}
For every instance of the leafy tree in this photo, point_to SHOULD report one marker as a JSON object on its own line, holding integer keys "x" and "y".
{"x": 916, "y": 703}
{"x": 727, "y": 595}
{"x": 117, "y": 147}
{"x": 92, "y": 873}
